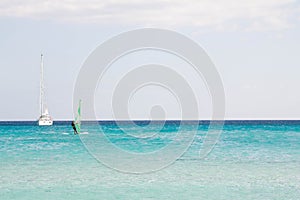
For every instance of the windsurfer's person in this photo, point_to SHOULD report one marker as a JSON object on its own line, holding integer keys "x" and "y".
{"x": 74, "y": 128}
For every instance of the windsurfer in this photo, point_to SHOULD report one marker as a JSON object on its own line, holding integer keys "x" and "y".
{"x": 74, "y": 128}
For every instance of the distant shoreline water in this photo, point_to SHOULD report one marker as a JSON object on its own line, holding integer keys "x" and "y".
{"x": 145, "y": 122}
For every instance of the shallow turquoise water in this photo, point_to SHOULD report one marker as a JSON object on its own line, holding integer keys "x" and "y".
{"x": 252, "y": 160}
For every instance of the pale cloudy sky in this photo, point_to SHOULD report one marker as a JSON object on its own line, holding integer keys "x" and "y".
{"x": 254, "y": 44}
{"x": 255, "y": 15}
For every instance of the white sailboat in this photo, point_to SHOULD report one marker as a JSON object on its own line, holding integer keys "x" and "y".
{"x": 45, "y": 119}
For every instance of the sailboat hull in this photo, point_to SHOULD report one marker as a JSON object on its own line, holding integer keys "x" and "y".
{"x": 45, "y": 121}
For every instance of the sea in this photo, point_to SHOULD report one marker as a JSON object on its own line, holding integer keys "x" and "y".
{"x": 250, "y": 160}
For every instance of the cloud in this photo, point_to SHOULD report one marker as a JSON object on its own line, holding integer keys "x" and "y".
{"x": 229, "y": 15}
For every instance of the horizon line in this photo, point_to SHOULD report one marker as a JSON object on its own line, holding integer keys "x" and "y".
{"x": 111, "y": 120}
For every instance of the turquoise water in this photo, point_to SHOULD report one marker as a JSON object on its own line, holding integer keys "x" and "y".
{"x": 252, "y": 160}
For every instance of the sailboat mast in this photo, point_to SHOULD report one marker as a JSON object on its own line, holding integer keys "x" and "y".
{"x": 42, "y": 86}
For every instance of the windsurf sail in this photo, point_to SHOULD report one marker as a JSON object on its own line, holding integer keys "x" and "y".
{"x": 77, "y": 121}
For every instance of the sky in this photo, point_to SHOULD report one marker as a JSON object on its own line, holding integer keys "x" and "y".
{"x": 254, "y": 45}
